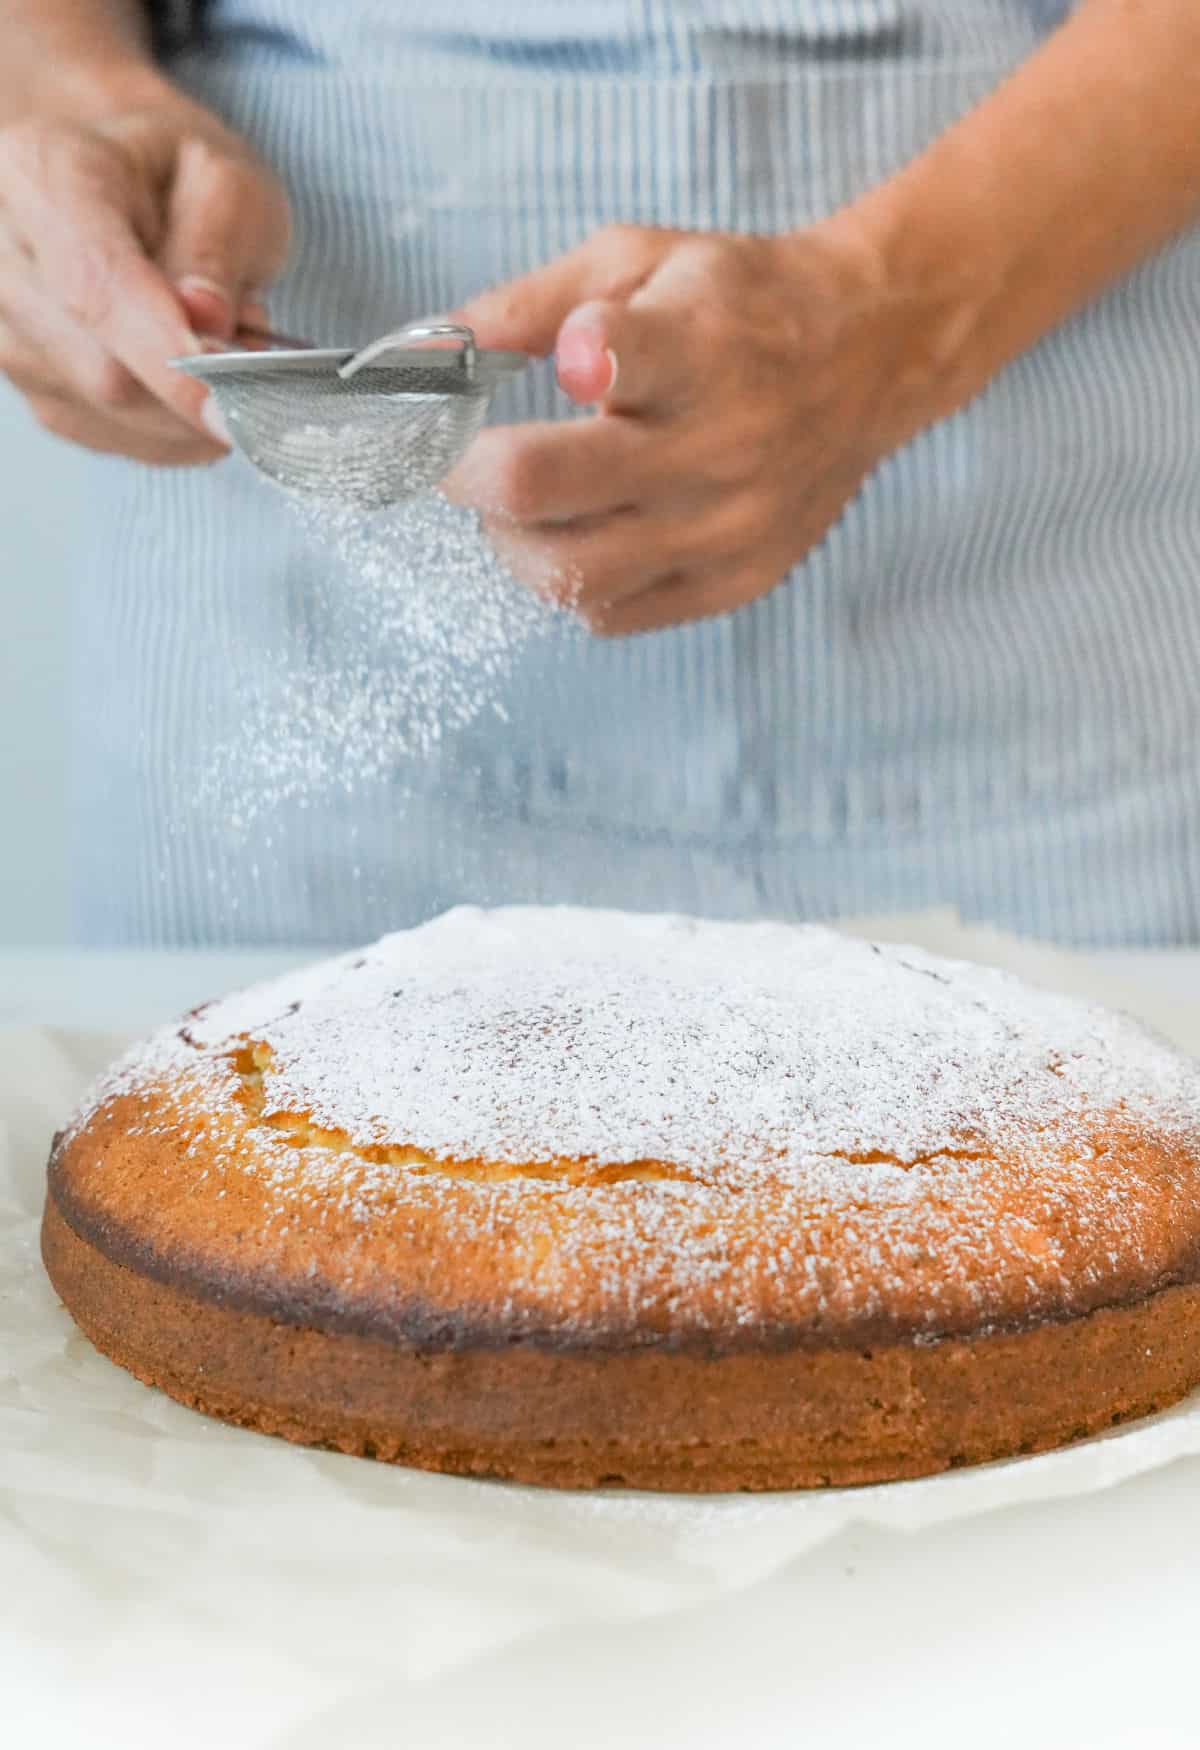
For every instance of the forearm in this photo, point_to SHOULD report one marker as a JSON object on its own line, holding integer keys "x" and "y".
{"x": 70, "y": 56}
{"x": 1086, "y": 160}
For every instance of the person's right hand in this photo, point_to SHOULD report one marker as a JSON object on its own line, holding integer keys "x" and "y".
{"x": 123, "y": 242}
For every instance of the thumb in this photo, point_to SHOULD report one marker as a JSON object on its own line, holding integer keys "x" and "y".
{"x": 226, "y": 234}
{"x": 525, "y": 314}
{"x": 629, "y": 355}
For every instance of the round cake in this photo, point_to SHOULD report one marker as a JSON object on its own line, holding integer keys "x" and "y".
{"x": 588, "y": 1198}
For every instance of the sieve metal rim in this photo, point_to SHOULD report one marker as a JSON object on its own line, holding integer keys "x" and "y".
{"x": 491, "y": 367}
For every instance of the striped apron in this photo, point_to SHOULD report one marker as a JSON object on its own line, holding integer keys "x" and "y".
{"x": 981, "y": 690}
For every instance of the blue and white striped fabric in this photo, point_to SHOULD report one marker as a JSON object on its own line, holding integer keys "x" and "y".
{"x": 982, "y": 689}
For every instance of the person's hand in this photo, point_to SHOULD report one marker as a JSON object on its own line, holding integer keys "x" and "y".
{"x": 124, "y": 241}
{"x": 746, "y": 386}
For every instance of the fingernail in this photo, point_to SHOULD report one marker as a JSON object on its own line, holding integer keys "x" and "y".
{"x": 581, "y": 358}
{"x": 210, "y": 413}
{"x": 576, "y": 351}
{"x": 194, "y": 285}
{"x": 208, "y": 304}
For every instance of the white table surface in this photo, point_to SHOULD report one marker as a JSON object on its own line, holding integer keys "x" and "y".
{"x": 1071, "y": 1623}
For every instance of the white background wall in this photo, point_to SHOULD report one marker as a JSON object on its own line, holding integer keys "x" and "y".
{"x": 38, "y": 524}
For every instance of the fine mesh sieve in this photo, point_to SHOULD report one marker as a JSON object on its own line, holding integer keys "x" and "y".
{"x": 366, "y": 428}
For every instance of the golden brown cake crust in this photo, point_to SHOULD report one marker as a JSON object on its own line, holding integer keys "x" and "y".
{"x": 783, "y": 1419}
{"x": 884, "y": 1215}
{"x": 227, "y": 1234}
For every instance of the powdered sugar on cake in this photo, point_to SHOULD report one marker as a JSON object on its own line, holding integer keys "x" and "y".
{"x": 531, "y": 1034}
{"x": 851, "y": 1136}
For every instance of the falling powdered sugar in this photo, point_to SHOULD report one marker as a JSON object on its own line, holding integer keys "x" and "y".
{"x": 421, "y": 629}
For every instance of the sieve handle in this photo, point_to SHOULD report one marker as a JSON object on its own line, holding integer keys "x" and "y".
{"x": 415, "y": 331}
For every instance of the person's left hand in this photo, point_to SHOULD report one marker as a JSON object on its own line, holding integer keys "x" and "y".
{"x": 745, "y": 386}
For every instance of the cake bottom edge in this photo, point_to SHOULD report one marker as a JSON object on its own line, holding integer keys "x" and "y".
{"x": 643, "y": 1419}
